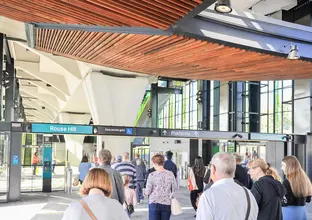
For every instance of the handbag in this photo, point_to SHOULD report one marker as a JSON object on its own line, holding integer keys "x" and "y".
{"x": 130, "y": 208}
{"x": 248, "y": 203}
{"x": 76, "y": 181}
{"x": 175, "y": 207}
{"x": 88, "y": 210}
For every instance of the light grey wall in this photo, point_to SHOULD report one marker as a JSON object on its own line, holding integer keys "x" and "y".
{"x": 275, "y": 154}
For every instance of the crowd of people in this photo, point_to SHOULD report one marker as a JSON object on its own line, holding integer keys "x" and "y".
{"x": 118, "y": 183}
{"x": 252, "y": 192}
{"x": 228, "y": 188}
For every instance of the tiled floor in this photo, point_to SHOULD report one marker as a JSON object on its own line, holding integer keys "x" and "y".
{"x": 38, "y": 206}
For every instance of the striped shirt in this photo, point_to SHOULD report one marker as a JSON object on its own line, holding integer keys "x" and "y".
{"x": 127, "y": 168}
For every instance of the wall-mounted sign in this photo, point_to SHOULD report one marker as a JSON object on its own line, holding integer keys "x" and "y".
{"x": 61, "y": 128}
{"x": 15, "y": 160}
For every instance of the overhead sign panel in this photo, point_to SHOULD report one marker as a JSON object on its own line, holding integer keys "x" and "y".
{"x": 114, "y": 130}
{"x": 267, "y": 137}
{"x": 203, "y": 134}
{"x": 61, "y": 128}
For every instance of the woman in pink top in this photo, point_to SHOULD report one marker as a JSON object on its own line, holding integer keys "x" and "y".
{"x": 130, "y": 197}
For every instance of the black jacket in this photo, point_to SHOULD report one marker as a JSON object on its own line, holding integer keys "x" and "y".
{"x": 291, "y": 199}
{"x": 147, "y": 174}
{"x": 269, "y": 194}
{"x": 242, "y": 176}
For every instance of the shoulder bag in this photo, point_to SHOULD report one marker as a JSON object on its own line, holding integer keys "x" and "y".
{"x": 248, "y": 203}
{"x": 130, "y": 208}
{"x": 88, "y": 210}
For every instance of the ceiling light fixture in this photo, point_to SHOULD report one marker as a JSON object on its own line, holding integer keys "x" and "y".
{"x": 293, "y": 53}
{"x": 223, "y": 6}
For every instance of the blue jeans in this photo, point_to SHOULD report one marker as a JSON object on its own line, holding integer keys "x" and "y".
{"x": 295, "y": 212}
{"x": 159, "y": 211}
{"x": 34, "y": 170}
{"x": 139, "y": 190}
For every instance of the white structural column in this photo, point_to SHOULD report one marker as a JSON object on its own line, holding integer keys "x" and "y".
{"x": 302, "y": 106}
{"x": 114, "y": 101}
{"x": 74, "y": 143}
{"x": 224, "y": 106}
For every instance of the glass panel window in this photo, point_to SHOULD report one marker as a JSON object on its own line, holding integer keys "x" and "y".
{"x": 287, "y": 122}
{"x": 264, "y": 124}
{"x": 278, "y": 122}
{"x": 178, "y": 122}
{"x": 278, "y": 100}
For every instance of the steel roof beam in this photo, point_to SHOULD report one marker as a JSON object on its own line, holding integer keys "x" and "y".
{"x": 258, "y": 39}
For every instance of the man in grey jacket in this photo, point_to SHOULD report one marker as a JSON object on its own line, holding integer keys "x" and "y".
{"x": 118, "y": 191}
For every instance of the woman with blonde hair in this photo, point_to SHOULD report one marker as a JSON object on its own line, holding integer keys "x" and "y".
{"x": 267, "y": 190}
{"x": 298, "y": 190}
{"x": 96, "y": 202}
{"x": 130, "y": 197}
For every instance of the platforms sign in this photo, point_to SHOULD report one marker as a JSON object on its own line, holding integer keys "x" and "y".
{"x": 61, "y": 128}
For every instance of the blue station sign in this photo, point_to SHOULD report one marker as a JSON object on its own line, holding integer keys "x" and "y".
{"x": 61, "y": 128}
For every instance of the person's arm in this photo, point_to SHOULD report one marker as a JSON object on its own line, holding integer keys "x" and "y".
{"x": 205, "y": 207}
{"x": 119, "y": 187}
{"x": 207, "y": 176}
{"x": 72, "y": 212}
{"x": 257, "y": 192}
{"x": 134, "y": 199}
{"x": 288, "y": 199}
{"x": 149, "y": 186}
{"x": 174, "y": 186}
{"x": 134, "y": 181}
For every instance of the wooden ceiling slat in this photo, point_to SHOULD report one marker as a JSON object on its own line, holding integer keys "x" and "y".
{"x": 160, "y": 5}
{"x": 191, "y": 3}
{"x": 129, "y": 12}
{"x": 142, "y": 13}
{"x": 107, "y": 44}
{"x": 156, "y": 10}
{"x": 134, "y": 51}
{"x": 181, "y": 4}
{"x": 108, "y": 13}
{"x": 72, "y": 14}
{"x": 172, "y": 56}
{"x": 148, "y": 11}
{"x": 167, "y": 4}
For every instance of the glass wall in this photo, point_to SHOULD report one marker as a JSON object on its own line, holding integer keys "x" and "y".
{"x": 276, "y": 106}
{"x": 180, "y": 111}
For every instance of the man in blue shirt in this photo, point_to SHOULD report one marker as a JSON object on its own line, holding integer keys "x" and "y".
{"x": 169, "y": 165}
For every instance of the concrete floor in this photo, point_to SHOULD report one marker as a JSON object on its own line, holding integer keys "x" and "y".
{"x": 51, "y": 206}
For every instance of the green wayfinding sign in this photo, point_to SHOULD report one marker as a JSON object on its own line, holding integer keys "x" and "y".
{"x": 61, "y": 128}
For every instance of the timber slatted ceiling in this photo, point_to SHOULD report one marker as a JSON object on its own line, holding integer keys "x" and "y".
{"x": 141, "y": 13}
{"x": 172, "y": 56}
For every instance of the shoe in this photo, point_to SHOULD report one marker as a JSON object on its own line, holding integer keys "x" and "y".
{"x": 194, "y": 216}
{"x": 141, "y": 201}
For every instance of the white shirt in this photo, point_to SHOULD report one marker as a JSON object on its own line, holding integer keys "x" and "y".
{"x": 102, "y": 207}
{"x": 226, "y": 200}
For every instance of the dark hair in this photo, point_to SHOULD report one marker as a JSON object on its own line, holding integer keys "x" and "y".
{"x": 198, "y": 167}
{"x": 84, "y": 159}
{"x": 169, "y": 154}
{"x": 36, "y": 153}
{"x": 158, "y": 159}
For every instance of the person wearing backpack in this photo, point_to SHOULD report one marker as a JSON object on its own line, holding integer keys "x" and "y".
{"x": 130, "y": 197}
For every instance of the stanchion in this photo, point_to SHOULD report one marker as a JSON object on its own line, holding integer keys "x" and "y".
{"x": 69, "y": 179}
